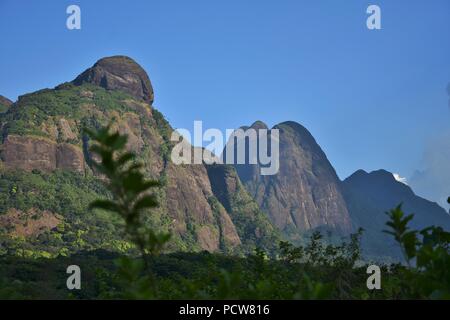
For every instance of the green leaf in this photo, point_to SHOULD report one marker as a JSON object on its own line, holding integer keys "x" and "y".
{"x": 145, "y": 202}
{"x": 123, "y": 159}
{"x": 105, "y": 205}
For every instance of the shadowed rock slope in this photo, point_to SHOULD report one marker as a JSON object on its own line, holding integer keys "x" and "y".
{"x": 5, "y": 103}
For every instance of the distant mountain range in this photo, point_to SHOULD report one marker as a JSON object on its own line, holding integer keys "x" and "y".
{"x": 370, "y": 195}
{"x": 46, "y": 180}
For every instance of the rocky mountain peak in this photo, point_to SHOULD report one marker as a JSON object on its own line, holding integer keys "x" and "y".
{"x": 5, "y": 101}
{"x": 119, "y": 73}
{"x": 259, "y": 125}
{"x": 377, "y": 178}
{"x": 305, "y": 194}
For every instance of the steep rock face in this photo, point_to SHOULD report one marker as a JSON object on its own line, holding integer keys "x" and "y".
{"x": 224, "y": 183}
{"x": 28, "y": 153}
{"x": 119, "y": 73}
{"x": 189, "y": 197}
{"x": 306, "y": 192}
{"x": 370, "y": 195}
{"x": 69, "y": 157}
{"x": 251, "y": 223}
{"x": 5, "y": 103}
{"x": 65, "y": 132}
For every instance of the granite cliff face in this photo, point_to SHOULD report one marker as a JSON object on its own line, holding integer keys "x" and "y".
{"x": 306, "y": 192}
{"x": 42, "y": 134}
{"x": 5, "y": 101}
{"x": 119, "y": 73}
{"x": 251, "y": 223}
{"x": 36, "y": 153}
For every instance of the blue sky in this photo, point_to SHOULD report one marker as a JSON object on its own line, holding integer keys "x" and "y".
{"x": 372, "y": 99}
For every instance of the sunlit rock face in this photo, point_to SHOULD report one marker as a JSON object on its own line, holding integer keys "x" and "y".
{"x": 119, "y": 73}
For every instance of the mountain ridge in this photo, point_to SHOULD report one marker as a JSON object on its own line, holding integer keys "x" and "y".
{"x": 119, "y": 73}
{"x": 47, "y": 181}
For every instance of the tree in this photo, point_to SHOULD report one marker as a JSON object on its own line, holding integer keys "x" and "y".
{"x": 429, "y": 274}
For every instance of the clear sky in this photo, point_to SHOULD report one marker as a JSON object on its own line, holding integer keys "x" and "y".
{"x": 372, "y": 99}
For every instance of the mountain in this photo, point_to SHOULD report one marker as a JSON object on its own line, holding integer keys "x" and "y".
{"x": 306, "y": 193}
{"x": 47, "y": 180}
{"x": 5, "y": 103}
{"x": 47, "y": 183}
{"x": 370, "y": 195}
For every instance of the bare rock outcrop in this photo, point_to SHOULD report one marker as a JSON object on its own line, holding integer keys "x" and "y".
{"x": 69, "y": 157}
{"x": 35, "y": 153}
{"x": 30, "y": 223}
{"x": 5, "y": 102}
{"x": 65, "y": 131}
{"x": 28, "y": 153}
{"x": 189, "y": 191}
{"x": 306, "y": 192}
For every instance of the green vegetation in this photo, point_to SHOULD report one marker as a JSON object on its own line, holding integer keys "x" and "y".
{"x": 251, "y": 223}
{"x": 120, "y": 253}
{"x": 314, "y": 271}
{"x": 78, "y": 103}
{"x": 429, "y": 253}
{"x": 64, "y": 195}
{"x": 64, "y": 192}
